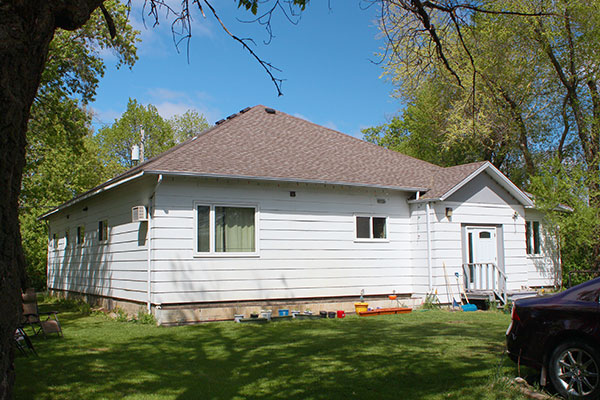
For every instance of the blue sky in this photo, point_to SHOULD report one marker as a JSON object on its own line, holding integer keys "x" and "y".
{"x": 326, "y": 61}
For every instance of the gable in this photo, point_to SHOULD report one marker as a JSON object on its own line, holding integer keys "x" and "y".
{"x": 482, "y": 189}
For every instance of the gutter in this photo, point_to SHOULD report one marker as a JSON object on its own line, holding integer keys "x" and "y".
{"x": 150, "y": 234}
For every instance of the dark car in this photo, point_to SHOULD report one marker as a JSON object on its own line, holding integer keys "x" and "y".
{"x": 560, "y": 335}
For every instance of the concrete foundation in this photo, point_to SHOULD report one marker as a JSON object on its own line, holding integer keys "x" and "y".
{"x": 183, "y": 314}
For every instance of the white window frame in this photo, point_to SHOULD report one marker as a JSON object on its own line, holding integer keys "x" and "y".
{"x": 371, "y": 239}
{"x": 211, "y": 228}
{"x": 530, "y": 238}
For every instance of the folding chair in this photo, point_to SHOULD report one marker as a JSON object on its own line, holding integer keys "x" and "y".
{"x": 31, "y": 316}
{"x": 23, "y": 342}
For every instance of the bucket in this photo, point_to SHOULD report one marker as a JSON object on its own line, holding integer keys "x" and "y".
{"x": 331, "y": 314}
{"x": 341, "y": 314}
{"x": 284, "y": 312}
{"x": 360, "y": 307}
{"x": 323, "y": 314}
{"x": 266, "y": 314}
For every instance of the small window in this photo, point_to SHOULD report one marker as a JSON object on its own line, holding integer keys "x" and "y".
{"x": 532, "y": 237}
{"x": 371, "y": 227}
{"x": 485, "y": 235}
{"x": 80, "y": 235}
{"x": 103, "y": 231}
{"x": 55, "y": 240}
{"x": 67, "y": 238}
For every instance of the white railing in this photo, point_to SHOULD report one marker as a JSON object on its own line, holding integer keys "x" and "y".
{"x": 485, "y": 277}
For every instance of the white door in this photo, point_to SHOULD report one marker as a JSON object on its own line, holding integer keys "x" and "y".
{"x": 482, "y": 249}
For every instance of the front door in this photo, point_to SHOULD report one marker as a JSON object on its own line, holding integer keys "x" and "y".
{"x": 482, "y": 248}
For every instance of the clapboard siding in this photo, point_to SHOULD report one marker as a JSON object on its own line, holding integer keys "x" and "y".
{"x": 306, "y": 243}
{"x": 114, "y": 268}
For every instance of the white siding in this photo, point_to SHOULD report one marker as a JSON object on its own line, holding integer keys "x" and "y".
{"x": 482, "y": 202}
{"x": 115, "y": 268}
{"x": 543, "y": 269}
{"x": 306, "y": 244}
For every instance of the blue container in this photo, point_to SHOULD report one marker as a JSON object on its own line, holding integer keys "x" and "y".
{"x": 284, "y": 312}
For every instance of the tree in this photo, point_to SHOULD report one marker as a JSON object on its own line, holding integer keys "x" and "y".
{"x": 188, "y": 125}
{"x": 59, "y": 163}
{"x": 116, "y": 141}
{"x": 26, "y": 30}
{"x": 527, "y": 72}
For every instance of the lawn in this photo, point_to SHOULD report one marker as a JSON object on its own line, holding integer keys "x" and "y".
{"x": 422, "y": 355}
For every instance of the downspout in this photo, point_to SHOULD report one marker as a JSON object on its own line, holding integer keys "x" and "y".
{"x": 429, "y": 261}
{"x": 150, "y": 233}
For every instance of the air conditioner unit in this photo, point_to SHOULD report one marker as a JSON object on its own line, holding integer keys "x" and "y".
{"x": 139, "y": 214}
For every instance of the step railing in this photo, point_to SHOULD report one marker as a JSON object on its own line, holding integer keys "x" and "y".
{"x": 485, "y": 277}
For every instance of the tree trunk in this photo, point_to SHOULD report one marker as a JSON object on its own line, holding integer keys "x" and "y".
{"x": 26, "y": 29}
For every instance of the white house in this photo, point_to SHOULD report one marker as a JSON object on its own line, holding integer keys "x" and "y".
{"x": 266, "y": 210}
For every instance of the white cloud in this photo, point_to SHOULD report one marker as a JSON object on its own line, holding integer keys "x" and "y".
{"x": 171, "y": 102}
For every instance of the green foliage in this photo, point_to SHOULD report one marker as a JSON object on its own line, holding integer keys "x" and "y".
{"x": 115, "y": 141}
{"x": 431, "y": 302}
{"x": 355, "y": 357}
{"x": 559, "y": 185}
{"x": 61, "y": 160}
{"x": 143, "y": 317}
{"x": 188, "y": 125}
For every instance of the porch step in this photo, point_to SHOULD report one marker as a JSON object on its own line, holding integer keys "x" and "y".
{"x": 511, "y": 296}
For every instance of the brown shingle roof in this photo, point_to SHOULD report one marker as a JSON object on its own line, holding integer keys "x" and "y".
{"x": 279, "y": 146}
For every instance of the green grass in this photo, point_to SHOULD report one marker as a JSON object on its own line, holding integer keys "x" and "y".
{"x": 423, "y": 355}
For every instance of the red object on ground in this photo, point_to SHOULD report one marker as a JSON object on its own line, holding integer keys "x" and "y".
{"x": 341, "y": 314}
{"x": 385, "y": 311}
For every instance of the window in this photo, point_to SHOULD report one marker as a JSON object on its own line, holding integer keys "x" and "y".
{"x": 532, "y": 237}
{"x": 67, "y": 238}
{"x": 371, "y": 227}
{"x": 102, "y": 231}
{"x": 80, "y": 234}
{"x": 225, "y": 229}
{"x": 54, "y": 241}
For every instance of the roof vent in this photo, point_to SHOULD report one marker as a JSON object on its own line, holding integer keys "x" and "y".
{"x": 219, "y": 122}
{"x": 270, "y": 111}
{"x": 244, "y": 110}
{"x": 232, "y": 116}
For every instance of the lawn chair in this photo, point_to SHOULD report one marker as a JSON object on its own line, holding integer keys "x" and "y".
{"x": 31, "y": 316}
{"x": 23, "y": 342}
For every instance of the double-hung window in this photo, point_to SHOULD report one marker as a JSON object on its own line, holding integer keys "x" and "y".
{"x": 532, "y": 237}
{"x": 371, "y": 228}
{"x": 225, "y": 229}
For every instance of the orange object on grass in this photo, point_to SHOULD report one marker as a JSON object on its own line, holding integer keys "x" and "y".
{"x": 393, "y": 297}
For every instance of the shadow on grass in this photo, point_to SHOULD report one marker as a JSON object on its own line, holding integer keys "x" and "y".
{"x": 377, "y": 358}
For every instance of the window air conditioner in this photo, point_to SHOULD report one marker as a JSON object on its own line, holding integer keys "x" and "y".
{"x": 139, "y": 214}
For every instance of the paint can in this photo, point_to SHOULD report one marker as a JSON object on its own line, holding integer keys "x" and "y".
{"x": 331, "y": 314}
{"x": 323, "y": 314}
{"x": 341, "y": 314}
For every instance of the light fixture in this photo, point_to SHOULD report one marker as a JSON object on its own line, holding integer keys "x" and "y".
{"x": 448, "y": 212}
